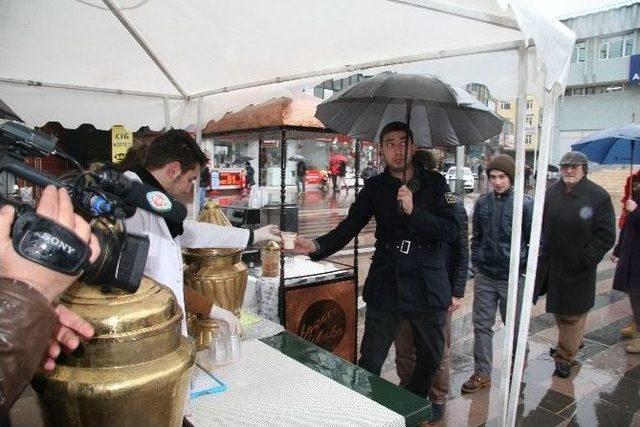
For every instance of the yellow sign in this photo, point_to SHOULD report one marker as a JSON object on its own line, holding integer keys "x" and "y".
{"x": 121, "y": 141}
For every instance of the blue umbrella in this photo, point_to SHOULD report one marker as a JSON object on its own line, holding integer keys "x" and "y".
{"x": 612, "y": 146}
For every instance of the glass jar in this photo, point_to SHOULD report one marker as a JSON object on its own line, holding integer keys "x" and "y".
{"x": 270, "y": 255}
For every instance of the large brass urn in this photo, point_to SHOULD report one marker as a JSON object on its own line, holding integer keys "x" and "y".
{"x": 134, "y": 372}
{"x": 219, "y": 274}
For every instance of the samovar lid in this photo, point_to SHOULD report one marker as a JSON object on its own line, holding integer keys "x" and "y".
{"x": 129, "y": 328}
{"x": 213, "y": 215}
{"x": 272, "y": 245}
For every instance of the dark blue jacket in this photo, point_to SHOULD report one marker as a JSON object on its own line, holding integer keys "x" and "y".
{"x": 457, "y": 252}
{"x": 415, "y": 281}
{"x": 491, "y": 238}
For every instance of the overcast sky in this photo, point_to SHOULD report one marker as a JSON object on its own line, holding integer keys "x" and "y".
{"x": 574, "y": 7}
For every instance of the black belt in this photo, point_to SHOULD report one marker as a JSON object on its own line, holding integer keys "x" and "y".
{"x": 403, "y": 246}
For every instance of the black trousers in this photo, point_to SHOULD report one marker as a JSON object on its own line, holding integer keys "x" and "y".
{"x": 381, "y": 328}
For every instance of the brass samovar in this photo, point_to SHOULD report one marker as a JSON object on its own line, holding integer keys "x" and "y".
{"x": 134, "y": 372}
{"x": 219, "y": 274}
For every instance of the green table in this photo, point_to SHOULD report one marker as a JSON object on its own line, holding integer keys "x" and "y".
{"x": 413, "y": 408}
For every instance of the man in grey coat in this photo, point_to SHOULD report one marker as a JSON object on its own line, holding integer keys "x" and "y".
{"x": 578, "y": 228}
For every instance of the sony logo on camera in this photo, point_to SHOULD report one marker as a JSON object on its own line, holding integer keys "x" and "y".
{"x": 55, "y": 241}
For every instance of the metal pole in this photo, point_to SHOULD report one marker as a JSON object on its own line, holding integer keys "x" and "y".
{"x": 283, "y": 193}
{"x": 196, "y": 183}
{"x": 167, "y": 116}
{"x": 460, "y": 171}
{"x": 550, "y": 99}
{"x": 355, "y": 246}
{"x": 516, "y": 237}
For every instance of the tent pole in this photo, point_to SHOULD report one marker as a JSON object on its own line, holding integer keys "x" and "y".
{"x": 633, "y": 144}
{"x": 196, "y": 183}
{"x": 422, "y": 57}
{"x": 460, "y": 154}
{"x": 461, "y": 12}
{"x": 167, "y": 116}
{"x": 516, "y": 236}
{"x": 549, "y": 104}
{"x": 144, "y": 45}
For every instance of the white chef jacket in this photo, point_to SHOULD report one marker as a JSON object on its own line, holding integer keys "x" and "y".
{"x": 164, "y": 262}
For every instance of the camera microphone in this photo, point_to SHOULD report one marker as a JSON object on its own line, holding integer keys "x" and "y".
{"x": 155, "y": 201}
{"x": 141, "y": 195}
{"x": 100, "y": 206}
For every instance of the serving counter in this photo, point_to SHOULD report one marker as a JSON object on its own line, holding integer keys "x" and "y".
{"x": 285, "y": 380}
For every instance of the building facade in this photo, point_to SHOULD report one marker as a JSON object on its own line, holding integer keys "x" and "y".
{"x": 507, "y": 109}
{"x": 600, "y": 91}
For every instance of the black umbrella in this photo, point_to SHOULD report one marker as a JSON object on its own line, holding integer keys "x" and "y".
{"x": 242, "y": 159}
{"x": 438, "y": 114}
{"x": 7, "y": 113}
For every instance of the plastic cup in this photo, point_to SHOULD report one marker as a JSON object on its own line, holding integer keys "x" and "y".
{"x": 234, "y": 347}
{"x": 289, "y": 239}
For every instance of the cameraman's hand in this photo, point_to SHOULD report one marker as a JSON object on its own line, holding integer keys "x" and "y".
{"x": 70, "y": 330}
{"x": 219, "y": 313}
{"x": 55, "y": 205}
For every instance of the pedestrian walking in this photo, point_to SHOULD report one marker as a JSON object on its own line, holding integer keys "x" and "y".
{"x": 457, "y": 266}
{"x": 205, "y": 184}
{"x": 301, "y": 175}
{"x": 407, "y": 278}
{"x": 334, "y": 168}
{"x": 627, "y": 256}
{"x": 578, "y": 229}
{"x": 342, "y": 173}
{"x": 490, "y": 255}
{"x": 250, "y": 177}
{"x": 369, "y": 172}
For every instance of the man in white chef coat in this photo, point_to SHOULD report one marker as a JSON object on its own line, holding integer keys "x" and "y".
{"x": 172, "y": 163}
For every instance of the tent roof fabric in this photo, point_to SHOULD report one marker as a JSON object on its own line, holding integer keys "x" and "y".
{"x": 276, "y": 112}
{"x": 137, "y": 62}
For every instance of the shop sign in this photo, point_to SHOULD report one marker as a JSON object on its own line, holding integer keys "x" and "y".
{"x": 314, "y": 176}
{"x": 271, "y": 143}
{"x": 226, "y": 179}
{"x": 121, "y": 141}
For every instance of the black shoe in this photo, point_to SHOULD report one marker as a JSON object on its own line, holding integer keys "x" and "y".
{"x": 437, "y": 412}
{"x": 553, "y": 350}
{"x": 563, "y": 369}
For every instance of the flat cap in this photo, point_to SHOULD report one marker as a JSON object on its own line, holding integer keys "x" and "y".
{"x": 574, "y": 158}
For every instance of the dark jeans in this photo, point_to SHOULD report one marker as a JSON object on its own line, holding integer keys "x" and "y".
{"x": 382, "y": 326}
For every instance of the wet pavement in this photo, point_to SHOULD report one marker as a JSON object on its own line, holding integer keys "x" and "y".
{"x": 603, "y": 389}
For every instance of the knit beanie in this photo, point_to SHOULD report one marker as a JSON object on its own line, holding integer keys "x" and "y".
{"x": 504, "y": 163}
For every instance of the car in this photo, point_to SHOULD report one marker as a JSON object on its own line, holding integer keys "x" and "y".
{"x": 446, "y": 165}
{"x": 467, "y": 175}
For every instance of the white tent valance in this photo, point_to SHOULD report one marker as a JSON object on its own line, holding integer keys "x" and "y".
{"x": 123, "y": 61}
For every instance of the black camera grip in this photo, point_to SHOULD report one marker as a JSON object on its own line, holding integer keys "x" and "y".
{"x": 49, "y": 244}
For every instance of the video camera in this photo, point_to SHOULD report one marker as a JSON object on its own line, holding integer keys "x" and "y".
{"x": 105, "y": 194}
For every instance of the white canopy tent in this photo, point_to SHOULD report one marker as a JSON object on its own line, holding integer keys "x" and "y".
{"x": 174, "y": 62}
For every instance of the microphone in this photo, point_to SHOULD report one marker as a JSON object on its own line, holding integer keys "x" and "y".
{"x": 140, "y": 195}
{"x": 151, "y": 199}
